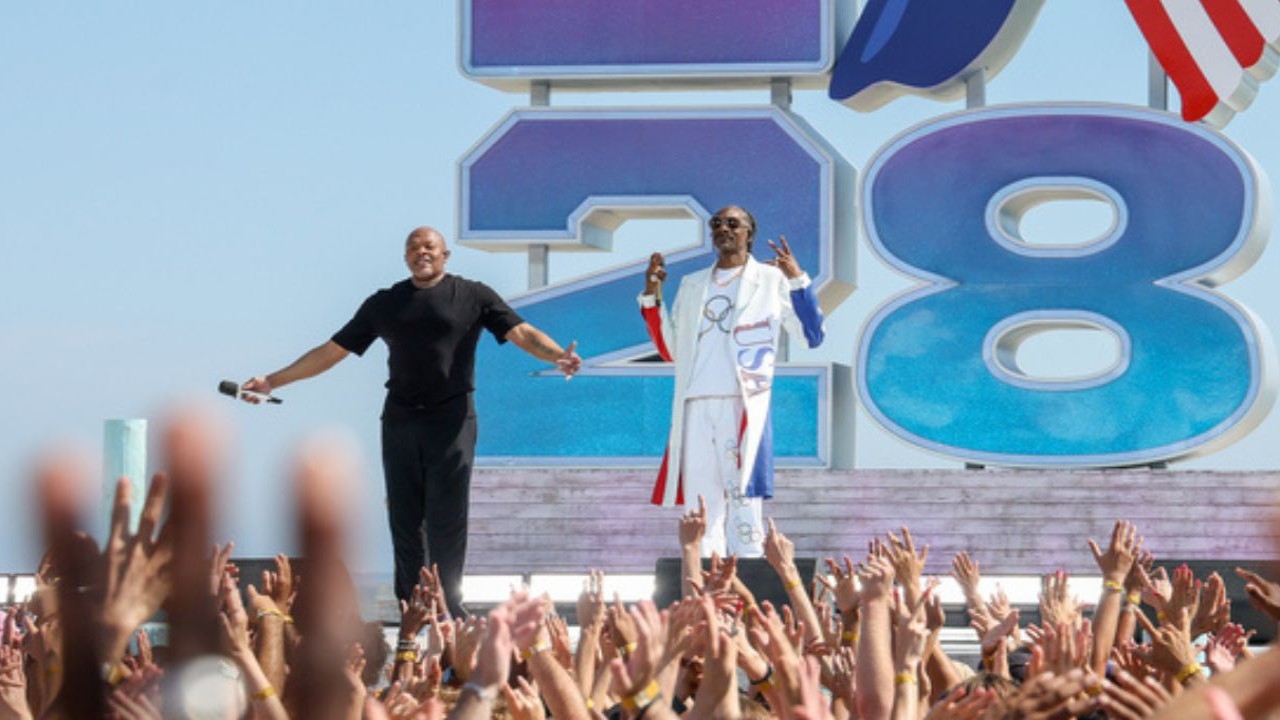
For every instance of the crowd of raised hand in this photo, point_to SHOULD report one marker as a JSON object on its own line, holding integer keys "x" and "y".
{"x": 862, "y": 642}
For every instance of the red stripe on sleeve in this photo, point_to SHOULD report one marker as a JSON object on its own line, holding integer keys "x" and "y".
{"x": 653, "y": 323}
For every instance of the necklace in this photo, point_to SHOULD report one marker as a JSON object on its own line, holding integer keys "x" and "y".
{"x": 729, "y": 279}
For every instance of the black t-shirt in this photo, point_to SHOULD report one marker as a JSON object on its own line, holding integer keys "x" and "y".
{"x": 431, "y": 335}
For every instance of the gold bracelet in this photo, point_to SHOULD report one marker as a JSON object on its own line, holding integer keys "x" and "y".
{"x": 792, "y": 584}
{"x": 1112, "y": 585}
{"x": 1186, "y": 672}
{"x": 643, "y": 698}
{"x": 407, "y": 656}
{"x": 264, "y": 693}
{"x": 537, "y": 648}
{"x": 903, "y": 678}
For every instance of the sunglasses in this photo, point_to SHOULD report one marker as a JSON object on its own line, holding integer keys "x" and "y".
{"x": 732, "y": 223}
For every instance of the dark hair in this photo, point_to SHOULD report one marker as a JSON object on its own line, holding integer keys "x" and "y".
{"x": 751, "y": 220}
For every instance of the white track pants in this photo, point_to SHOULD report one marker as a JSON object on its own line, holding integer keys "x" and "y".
{"x": 735, "y": 524}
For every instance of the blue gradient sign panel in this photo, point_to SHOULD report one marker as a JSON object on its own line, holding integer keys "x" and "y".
{"x": 504, "y": 42}
{"x": 941, "y": 204}
{"x": 548, "y": 176}
{"x": 927, "y": 47}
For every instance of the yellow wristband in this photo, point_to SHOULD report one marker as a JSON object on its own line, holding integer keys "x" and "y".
{"x": 264, "y": 693}
{"x": 1112, "y": 585}
{"x": 1188, "y": 671}
{"x": 407, "y": 656}
{"x": 537, "y": 648}
{"x": 628, "y": 648}
{"x": 792, "y": 584}
{"x": 644, "y": 698}
{"x": 849, "y": 636}
{"x": 904, "y": 678}
{"x": 1134, "y": 598}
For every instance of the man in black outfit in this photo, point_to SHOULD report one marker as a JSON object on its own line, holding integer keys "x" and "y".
{"x": 431, "y": 323}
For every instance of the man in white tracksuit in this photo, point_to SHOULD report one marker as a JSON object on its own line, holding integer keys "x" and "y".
{"x": 722, "y": 334}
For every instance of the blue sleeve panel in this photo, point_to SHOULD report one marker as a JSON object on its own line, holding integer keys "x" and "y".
{"x": 805, "y": 303}
{"x": 760, "y": 484}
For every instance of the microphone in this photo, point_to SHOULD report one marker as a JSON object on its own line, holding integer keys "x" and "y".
{"x": 226, "y": 387}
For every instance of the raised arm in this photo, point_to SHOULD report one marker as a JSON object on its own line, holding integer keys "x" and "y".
{"x": 804, "y": 303}
{"x": 693, "y": 525}
{"x": 780, "y": 553}
{"x": 874, "y": 671}
{"x": 1115, "y": 565}
{"x": 540, "y": 345}
{"x": 313, "y": 362}
{"x": 657, "y": 320}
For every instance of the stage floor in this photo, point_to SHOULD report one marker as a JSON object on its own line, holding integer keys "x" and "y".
{"x": 1012, "y": 522}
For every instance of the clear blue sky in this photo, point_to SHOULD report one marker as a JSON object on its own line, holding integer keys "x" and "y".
{"x": 193, "y": 192}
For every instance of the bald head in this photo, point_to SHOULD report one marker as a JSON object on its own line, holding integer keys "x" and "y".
{"x": 425, "y": 253}
{"x": 425, "y": 232}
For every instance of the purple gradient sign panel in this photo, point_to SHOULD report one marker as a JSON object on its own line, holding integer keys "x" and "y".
{"x": 505, "y": 42}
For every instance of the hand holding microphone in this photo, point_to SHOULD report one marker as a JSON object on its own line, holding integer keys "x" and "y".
{"x": 256, "y": 390}
{"x": 655, "y": 274}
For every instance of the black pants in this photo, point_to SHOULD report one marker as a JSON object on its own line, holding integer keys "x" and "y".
{"x": 426, "y": 461}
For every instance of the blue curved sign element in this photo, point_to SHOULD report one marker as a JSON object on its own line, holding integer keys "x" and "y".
{"x": 1196, "y": 370}
{"x": 927, "y": 47}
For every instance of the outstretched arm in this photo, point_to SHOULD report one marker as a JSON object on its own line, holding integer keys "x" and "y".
{"x": 540, "y": 345}
{"x": 313, "y": 362}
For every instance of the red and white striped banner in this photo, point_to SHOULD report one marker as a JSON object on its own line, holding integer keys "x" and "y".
{"x": 1215, "y": 51}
